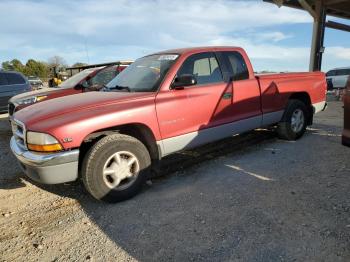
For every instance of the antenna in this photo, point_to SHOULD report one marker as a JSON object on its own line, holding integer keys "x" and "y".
{"x": 86, "y": 51}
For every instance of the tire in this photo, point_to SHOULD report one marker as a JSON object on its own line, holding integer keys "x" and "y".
{"x": 107, "y": 163}
{"x": 286, "y": 129}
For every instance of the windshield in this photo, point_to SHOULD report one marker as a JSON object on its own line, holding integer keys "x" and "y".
{"x": 144, "y": 75}
{"x": 74, "y": 80}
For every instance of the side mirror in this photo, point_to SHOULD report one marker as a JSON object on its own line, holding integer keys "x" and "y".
{"x": 183, "y": 80}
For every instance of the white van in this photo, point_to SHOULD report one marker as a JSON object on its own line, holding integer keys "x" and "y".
{"x": 338, "y": 77}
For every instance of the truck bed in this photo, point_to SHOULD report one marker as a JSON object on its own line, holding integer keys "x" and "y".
{"x": 276, "y": 89}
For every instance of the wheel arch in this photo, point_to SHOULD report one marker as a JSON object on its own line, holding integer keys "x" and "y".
{"x": 305, "y": 98}
{"x": 137, "y": 130}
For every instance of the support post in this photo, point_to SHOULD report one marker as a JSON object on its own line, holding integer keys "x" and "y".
{"x": 317, "y": 46}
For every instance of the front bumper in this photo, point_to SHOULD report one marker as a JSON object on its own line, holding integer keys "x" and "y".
{"x": 53, "y": 168}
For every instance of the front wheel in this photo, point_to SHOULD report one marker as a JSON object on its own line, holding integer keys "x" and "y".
{"x": 115, "y": 168}
{"x": 294, "y": 121}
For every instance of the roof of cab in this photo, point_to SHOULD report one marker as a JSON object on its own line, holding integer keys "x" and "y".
{"x": 201, "y": 48}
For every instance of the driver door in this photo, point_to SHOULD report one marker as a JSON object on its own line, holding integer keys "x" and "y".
{"x": 184, "y": 113}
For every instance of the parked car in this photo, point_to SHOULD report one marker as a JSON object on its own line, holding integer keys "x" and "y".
{"x": 338, "y": 77}
{"x": 161, "y": 104}
{"x": 346, "y": 132}
{"x": 90, "y": 79}
{"x": 11, "y": 83}
{"x": 35, "y": 82}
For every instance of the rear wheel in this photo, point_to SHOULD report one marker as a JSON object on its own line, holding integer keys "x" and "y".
{"x": 115, "y": 168}
{"x": 294, "y": 121}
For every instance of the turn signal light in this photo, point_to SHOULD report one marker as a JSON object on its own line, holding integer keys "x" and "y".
{"x": 45, "y": 148}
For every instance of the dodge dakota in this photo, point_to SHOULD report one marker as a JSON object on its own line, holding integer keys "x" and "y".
{"x": 162, "y": 103}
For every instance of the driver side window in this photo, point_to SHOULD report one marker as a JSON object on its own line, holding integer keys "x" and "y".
{"x": 204, "y": 67}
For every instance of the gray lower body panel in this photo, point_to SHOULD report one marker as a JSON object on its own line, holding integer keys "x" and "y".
{"x": 272, "y": 118}
{"x": 193, "y": 139}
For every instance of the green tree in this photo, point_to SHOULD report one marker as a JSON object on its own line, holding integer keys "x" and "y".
{"x": 36, "y": 68}
{"x": 7, "y": 65}
{"x": 14, "y": 64}
{"x": 31, "y": 68}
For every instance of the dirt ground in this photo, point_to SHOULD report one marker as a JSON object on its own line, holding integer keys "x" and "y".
{"x": 248, "y": 198}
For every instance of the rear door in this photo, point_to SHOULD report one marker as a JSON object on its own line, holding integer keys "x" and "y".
{"x": 245, "y": 90}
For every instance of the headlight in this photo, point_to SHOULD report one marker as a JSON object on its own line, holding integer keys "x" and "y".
{"x": 31, "y": 100}
{"x": 42, "y": 142}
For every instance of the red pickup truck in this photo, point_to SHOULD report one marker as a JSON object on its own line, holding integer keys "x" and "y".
{"x": 87, "y": 80}
{"x": 160, "y": 104}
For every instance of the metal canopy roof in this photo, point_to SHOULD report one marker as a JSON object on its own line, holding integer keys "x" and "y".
{"x": 338, "y": 8}
{"x": 319, "y": 10}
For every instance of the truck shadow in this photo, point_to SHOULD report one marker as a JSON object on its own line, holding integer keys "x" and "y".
{"x": 189, "y": 158}
{"x": 178, "y": 162}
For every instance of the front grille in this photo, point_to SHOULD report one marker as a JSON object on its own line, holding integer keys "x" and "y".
{"x": 11, "y": 109}
{"x": 19, "y": 133}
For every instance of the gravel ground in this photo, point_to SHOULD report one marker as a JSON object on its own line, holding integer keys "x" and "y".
{"x": 248, "y": 198}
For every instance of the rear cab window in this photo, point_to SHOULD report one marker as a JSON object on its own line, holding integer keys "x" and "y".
{"x": 236, "y": 65}
{"x": 204, "y": 66}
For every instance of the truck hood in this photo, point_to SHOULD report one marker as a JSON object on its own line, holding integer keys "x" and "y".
{"x": 41, "y": 92}
{"x": 74, "y": 103}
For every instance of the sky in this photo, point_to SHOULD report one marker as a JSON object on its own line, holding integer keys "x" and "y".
{"x": 91, "y": 31}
